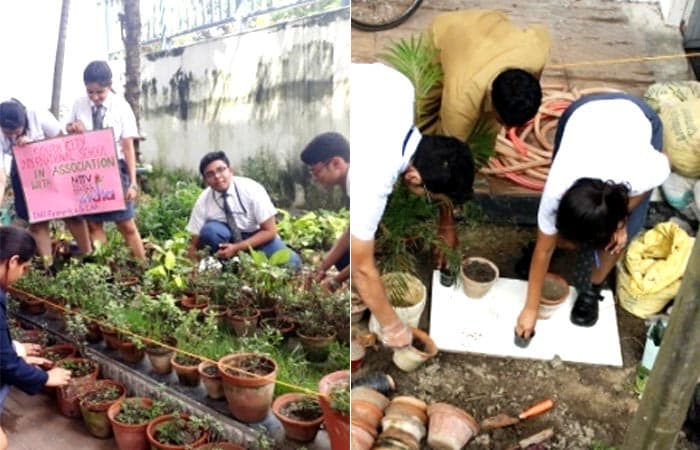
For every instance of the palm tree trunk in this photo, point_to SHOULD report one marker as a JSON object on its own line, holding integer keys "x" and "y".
{"x": 58, "y": 63}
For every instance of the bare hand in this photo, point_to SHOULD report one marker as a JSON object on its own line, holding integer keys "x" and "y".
{"x": 58, "y": 377}
{"x": 227, "y": 251}
{"x": 75, "y": 127}
{"x": 39, "y": 361}
{"x": 525, "y": 325}
{"x": 618, "y": 241}
{"x": 319, "y": 274}
{"x": 22, "y": 140}
{"x": 31, "y": 349}
{"x": 131, "y": 194}
{"x": 397, "y": 335}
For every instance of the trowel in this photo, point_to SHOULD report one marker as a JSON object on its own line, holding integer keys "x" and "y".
{"x": 505, "y": 420}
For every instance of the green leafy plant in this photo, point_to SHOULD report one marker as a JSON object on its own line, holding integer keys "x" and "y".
{"x": 416, "y": 58}
{"x": 169, "y": 264}
{"x": 178, "y": 430}
{"x": 340, "y": 398}
{"x": 133, "y": 411}
{"x": 305, "y": 409}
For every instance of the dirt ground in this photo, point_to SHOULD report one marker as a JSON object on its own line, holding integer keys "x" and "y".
{"x": 593, "y": 404}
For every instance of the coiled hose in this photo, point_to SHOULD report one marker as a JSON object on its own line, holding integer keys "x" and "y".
{"x": 524, "y": 154}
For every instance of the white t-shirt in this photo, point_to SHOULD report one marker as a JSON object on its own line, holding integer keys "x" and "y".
{"x": 607, "y": 140}
{"x": 40, "y": 125}
{"x": 381, "y": 117}
{"x": 118, "y": 116}
{"x": 248, "y": 200}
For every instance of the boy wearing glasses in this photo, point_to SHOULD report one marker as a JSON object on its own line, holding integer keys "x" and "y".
{"x": 233, "y": 214}
{"x": 328, "y": 158}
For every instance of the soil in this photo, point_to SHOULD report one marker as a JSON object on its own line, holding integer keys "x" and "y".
{"x": 551, "y": 290}
{"x": 418, "y": 344}
{"x": 212, "y": 371}
{"x": 102, "y": 395}
{"x": 593, "y": 404}
{"x": 479, "y": 271}
{"x": 252, "y": 366}
{"x": 301, "y": 411}
{"x": 185, "y": 360}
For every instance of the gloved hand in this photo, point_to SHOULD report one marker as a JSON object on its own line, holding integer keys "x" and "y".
{"x": 397, "y": 335}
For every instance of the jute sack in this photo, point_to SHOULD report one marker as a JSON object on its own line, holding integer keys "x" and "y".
{"x": 682, "y": 136}
{"x": 670, "y": 93}
{"x": 651, "y": 271}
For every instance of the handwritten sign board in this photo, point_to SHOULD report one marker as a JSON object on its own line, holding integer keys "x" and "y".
{"x": 70, "y": 175}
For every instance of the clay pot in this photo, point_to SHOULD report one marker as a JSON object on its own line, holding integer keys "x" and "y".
{"x": 160, "y": 357}
{"x": 366, "y": 412}
{"x": 473, "y": 288}
{"x": 407, "y": 414}
{"x": 189, "y": 302}
{"x": 316, "y": 348}
{"x": 111, "y": 337}
{"x": 357, "y": 355}
{"x": 32, "y": 306}
{"x": 410, "y": 358}
{"x": 219, "y": 311}
{"x": 243, "y": 321}
{"x": 283, "y": 324}
{"x": 248, "y": 391}
{"x": 95, "y": 412}
{"x": 553, "y": 284}
{"x": 295, "y": 429}
{"x": 187, "y": 375}
{"x": 357, "y": 309}
{"x": 411, "y": 425}
{"x": 212, "y": 383}
{"x": 360, "y": 438}
{"x": 59, "y": 351}
{"x": 67, "y": 396}
{"x": 130, "y": 353}
{"x": 396, "y": 438}
{"x": 370, "y": 395}
{"x": 129, "y": 436}
{"x": 94, "y": 334}
{"x": 152, "y": 428}
{"x": 337, "y": 424}
{"x": 450, "y": 428}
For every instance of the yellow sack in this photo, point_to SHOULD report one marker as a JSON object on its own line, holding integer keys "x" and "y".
{"x": 682, "y": 136}
{"x": 659, "y": 95}
{"x": 650, "y": 274}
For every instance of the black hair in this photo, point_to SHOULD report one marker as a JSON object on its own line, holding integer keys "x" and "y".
{"x": 98, "y": 72}
{"x": 210, "y": 158}
{"x": 516, "y": 96}
{"x": 13, "y": 115}
{"x": 446, "y": 166}
{"x": 16, "y": 241}
{"x": 324, "y": 147}
{"x": 591, "y": 210}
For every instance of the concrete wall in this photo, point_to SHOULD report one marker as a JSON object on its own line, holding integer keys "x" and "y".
{"x": 269, "y": 90}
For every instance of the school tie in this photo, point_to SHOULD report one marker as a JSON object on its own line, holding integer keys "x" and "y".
{"x": 230, "y": 221}
{"x": 98, "y": 115}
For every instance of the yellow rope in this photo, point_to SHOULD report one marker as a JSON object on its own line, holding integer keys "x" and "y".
{"x": 603, "y": 62}
{"x": 161, "y": 344}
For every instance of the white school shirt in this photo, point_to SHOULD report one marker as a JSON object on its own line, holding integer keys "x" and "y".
{"x": 41, "y": 124}
{"x": 118, "y": 115}
{"x": 381, "y": 119}
{"x": 249, "y": 202}
{"x": 608, "y": 140}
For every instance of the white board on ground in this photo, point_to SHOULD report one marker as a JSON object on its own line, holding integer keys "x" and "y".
{"x": 461, "y": 324}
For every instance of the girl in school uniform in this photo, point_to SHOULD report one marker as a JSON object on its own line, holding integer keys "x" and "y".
{"x": 20, "y": 127}
{"x": 102, "y": 108}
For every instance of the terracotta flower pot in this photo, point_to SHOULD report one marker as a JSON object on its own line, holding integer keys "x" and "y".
{"x": 380, "y": 382}
{"x": 152, "y": 434}
{"x": 555, "y": 291}
{"x": 369, "y": 395}
{"x": 130, "y": 353}
{"x": 297, "y": 429}
{"x": 160, "y": 356}
{"x": 67, "y": 396}
{"x": 219, "y": 311}
{"x": 94, "y": 412}
{"x": 478, "y": 286}
{"x": 450, "y": 428}
{"x": 59, "y": 351}
{"x": 357, "y": 355}
{"x": 33, "y": 306}
{"x": 244, "y": 322}
{"x": 249, "y": 384}
{"x": 337, "y": 424}
{"x": 360, "y": 438}
{"x": 366, "y": 412}
{"x": 316, "y": 348}
{"x": 129, "y": 436}
{"x": 94, "y": 333}
{"x": 395, "y": 438}
{"x": 187, "y": 374}
{"x": 422, "y": 349}
{"x": 111, "y": 337}
{"x": 211, "y": 379}
{"x": 283, "y": 324}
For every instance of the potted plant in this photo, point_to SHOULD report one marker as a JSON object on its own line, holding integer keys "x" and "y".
{"x": 129, "y": 418}
{"x": 249, "y": 384}
{"x": 158, "y": 319}
{"x": 267, "y": 277}
{"x": 83, "y": 372}
{"x": 94, "y": 403}
{"x": 175, "y": 431}
{"x": 316, "y": 325}
{"x": 243, "y": 319}
{"x": 300, "y": 415}
{"x": 334, "y": 397}
{"x": 407, "y": 295}
{"x": 478, "y": 275}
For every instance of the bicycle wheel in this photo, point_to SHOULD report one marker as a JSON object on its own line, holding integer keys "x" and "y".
{"x": 378, "y": 15}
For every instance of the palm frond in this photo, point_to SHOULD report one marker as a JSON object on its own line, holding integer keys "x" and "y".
{"x": 481, "y": 143}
